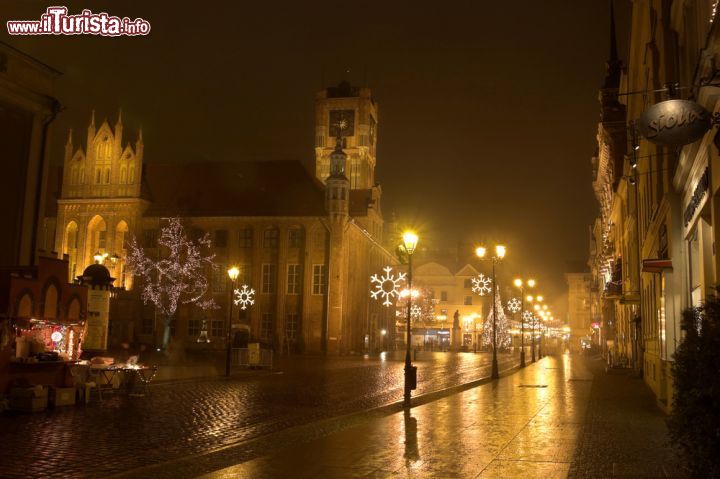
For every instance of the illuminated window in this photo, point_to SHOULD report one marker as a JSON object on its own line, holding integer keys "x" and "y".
{"x": 319, "y": 286}
{"x": 269, "y": 274}
{"x": 293, "y": 279}
{"x": 291, "y": 326}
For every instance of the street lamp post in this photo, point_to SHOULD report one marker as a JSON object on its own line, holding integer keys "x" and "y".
{"x": 519, "y": 283}
{"x": 233, "y": 274}
{"x": 535, "y": 317}
{"x": 410, "y": 240}
{"x": 499, "y": 254}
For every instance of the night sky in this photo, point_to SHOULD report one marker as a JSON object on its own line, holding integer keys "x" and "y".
{"x": 488, "y": 110}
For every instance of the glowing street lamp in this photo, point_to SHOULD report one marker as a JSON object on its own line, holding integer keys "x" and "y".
{"x": 233, "y": 274}
{"x": 500, "y": 251}
{"x": 410, "y": 240}
{"x": 520, "y": 284}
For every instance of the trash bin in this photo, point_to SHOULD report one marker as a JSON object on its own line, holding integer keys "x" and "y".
{"x": 412, "y": 378}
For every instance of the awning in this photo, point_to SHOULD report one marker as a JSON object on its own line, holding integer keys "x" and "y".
{"x": 656, "y": 265}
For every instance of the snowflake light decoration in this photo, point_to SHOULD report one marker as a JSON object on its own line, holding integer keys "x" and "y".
{"x": 415, "y": 311}
{"x": 386, "y": 286}
{"x": 528, "y": 316}
{"x": 513, "y": 305}
{"x": 245, "y": 296}
{"x": 481, "y": 285}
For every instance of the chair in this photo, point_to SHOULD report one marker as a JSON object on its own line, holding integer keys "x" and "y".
{"x": 83, "y": 385}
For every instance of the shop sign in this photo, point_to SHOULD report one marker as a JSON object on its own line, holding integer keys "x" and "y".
{"x": 699, "y": 193}
{"x": 674, "y": 122}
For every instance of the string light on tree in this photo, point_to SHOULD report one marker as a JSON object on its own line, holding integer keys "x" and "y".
{"x": 482, "y": 285}
{"x": 178, "y": 277}
{"x": 244, "y": 296}
{"x": 503, "y": 328}
{"x": 386, "y": 286}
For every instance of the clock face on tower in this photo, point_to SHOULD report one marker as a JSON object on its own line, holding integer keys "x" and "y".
{"x": 344, "y": 120}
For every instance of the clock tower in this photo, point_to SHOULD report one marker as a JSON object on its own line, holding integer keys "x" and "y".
{"x": 350, "y": 113}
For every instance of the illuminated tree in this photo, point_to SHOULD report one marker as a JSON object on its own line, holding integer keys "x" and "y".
{"x": 178, "y": 276}
{"x": 504, "y": 338}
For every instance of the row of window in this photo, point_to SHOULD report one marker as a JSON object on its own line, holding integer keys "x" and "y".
{"x": 268, "y": 283}
{"x": 270, "y": 239}
{"x": 217, "y": 328}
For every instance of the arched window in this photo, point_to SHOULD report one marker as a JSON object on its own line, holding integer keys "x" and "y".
{"x": 51, "y": 301}
{"x": 74, "y": 175}
{"x": 107, "y": 176}
{"x": 74, "y": 310}
{"x": 70, "y": 249}
{"x": 131, "y": 175}
{"x": 97, "y": 176}
{"x": 96, "y": 239}
{"x": 25, "y": 307}
{"x": 123, "y": 175}
{"x": 120, "y": 236}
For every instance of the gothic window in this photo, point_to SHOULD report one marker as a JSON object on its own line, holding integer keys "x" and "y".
{"x": 107, "y": 176}
{"x": 71, "y": 231}
{"x": 25, "y": 307}
{"x": 51, "y": 299}
{"x": 74, "y": 175}
{"x": 97, "y": 235}
{"x": 123, "y": 175}
{"x": 74, "y": 310}
{"x": 97, "y": 176}
{"x": 131, "y": 175}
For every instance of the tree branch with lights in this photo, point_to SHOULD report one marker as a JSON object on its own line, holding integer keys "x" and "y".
{"x": 178, "y": 276}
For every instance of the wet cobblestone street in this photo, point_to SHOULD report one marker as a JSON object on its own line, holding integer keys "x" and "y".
{"x": 180, "y": 419}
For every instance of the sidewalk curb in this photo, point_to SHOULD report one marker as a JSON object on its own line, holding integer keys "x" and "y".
{"x": 311, "y": 430}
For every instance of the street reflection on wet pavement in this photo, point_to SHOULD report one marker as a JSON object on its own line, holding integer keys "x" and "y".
{"x": 190, "y": 418}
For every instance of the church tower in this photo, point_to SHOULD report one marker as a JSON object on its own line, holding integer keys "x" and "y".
{"x": 349, "y": 112}
{"x": 100, "y": 203}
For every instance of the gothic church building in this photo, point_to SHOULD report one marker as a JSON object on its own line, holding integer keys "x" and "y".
{"x": 307, "y": 243}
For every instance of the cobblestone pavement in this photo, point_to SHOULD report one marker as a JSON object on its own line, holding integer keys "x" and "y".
{"x": 182, "y": 419}
{"x": 624, "y": 434}
{"x": 541, "y": 422}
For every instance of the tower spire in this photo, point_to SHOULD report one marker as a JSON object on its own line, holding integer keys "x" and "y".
{"x": 119, "y": 120}
{"x": 92, "y": 118}
{"x": 613, "y": 67}
{"x": 69, "y": 140}
{"x": 613, "y": 38}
